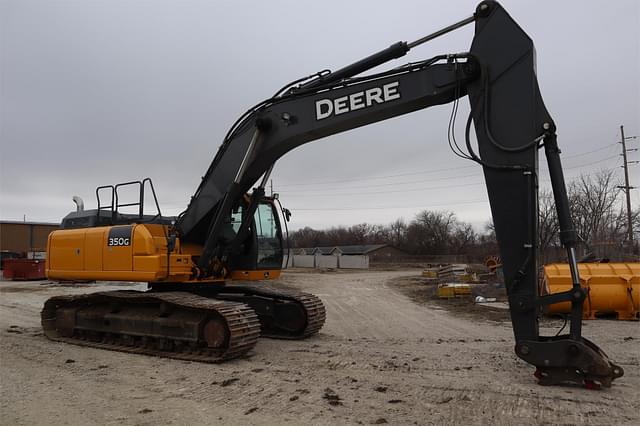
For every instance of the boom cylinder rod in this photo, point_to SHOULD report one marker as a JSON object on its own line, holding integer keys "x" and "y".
{"x": 394, "y": 51}
{"x": 266, "y": 176}
{"x": 443, "y": 31}
{"x": 247, "y": 156}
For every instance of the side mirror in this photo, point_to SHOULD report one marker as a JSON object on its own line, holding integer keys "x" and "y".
{"x": 287, "y": 214}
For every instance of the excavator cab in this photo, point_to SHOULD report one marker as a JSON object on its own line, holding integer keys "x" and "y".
{"x": 261, "y": 253}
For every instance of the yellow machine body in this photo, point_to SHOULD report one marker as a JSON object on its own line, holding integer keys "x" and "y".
{"x": 136, "y": 252}
{"x": 95, "y": 254}
{"x": 614, "y": 288}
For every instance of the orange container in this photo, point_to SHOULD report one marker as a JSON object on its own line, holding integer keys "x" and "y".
{"x": 614, "y": 288}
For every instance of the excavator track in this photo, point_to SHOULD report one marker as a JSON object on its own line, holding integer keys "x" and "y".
{"x": 308, "y": 310}
{"x": 284, "y": 314}
{"x": 170, "y": 324}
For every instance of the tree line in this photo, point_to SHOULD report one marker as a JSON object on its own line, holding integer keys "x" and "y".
{"x": 596, "y": 203}
{"x": 599, "y": 217}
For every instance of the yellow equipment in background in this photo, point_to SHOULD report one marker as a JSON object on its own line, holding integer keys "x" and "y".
{"x": 431, "y": 273}
{"x": 451, "y": 290}
{"x": 614, "y": 288}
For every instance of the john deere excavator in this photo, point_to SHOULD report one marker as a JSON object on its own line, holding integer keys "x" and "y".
{"x": 229, "y": 231}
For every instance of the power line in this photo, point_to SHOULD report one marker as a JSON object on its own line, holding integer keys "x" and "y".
{"x": 581, "y": 175}
{"x": 411, "y": 207}
{"x": 379, "y": 177}
{"x": 441, "y": 170}
{"x": 391, "y": 184}
{"x": 590, "y": 152}
{"x": 316, "y": 194}
{"x": 592, "y": 163}
{"x": 389, "y": 207}
{"x": 178, "y": 205}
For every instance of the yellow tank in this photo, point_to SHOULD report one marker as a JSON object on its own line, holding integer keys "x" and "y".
{"x": 450, "y": 290}
{"x": 614, "y": 288}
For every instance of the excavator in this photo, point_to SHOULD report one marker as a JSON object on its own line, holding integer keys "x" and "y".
{"x": 206, "y": 269}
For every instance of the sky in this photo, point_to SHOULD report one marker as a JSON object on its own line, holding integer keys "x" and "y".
{"x": 105, "y": 91}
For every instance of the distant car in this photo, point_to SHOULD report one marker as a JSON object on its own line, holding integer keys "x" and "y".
{"x": 6, "y": 254}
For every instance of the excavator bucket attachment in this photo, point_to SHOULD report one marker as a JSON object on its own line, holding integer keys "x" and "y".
{"x": 613, "y": 289}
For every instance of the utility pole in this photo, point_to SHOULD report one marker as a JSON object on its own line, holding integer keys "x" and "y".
{"x": 627, "y": 188}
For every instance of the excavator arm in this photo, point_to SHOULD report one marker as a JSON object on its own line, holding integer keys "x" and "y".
{"x": 511, "y": 124}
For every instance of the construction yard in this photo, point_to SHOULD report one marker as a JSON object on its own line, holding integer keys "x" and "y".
{"x": 387, "y": 354}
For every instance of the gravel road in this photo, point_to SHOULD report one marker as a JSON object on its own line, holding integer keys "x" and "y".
{"x": 381, "y": 358}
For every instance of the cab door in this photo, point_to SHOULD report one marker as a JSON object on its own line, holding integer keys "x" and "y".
{"x": 268, "y": 237}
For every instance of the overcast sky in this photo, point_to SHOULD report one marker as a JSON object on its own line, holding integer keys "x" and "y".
{"x": 101, "y": 92}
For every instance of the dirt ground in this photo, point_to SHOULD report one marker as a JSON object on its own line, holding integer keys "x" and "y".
{"x": 381, "y": 358}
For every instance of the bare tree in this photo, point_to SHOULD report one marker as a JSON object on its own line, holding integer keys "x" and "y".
{"x": 594, "y": 205}
{"x": 360, "y": 233}
{"x": 429, "y": 232}
{"x": 486, "y": 244}
{"x": 338, "y": 236}
{"x": 307, "y": 237}
{"x": 462, "y": 239}
{"x": 548, "y": 226}
{"x": 398, "y": 232}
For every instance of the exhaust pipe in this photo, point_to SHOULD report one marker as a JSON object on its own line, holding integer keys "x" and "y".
{"x": 79, "y": 203}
